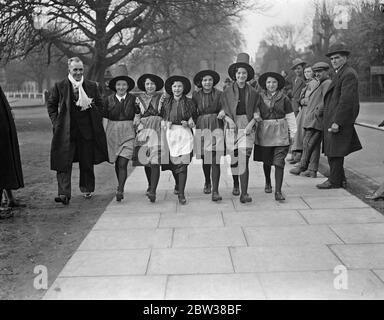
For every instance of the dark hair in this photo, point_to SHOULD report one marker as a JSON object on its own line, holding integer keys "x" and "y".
{"x": 151, "y": 79}
{"x": 237, "y": 69}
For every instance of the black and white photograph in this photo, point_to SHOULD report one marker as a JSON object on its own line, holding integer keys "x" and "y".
{"x": 191, "y": 155}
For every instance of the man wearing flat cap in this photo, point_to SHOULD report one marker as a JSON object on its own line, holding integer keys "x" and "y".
{"x": 341, "y": 108}
{"x": 313, "y": 123}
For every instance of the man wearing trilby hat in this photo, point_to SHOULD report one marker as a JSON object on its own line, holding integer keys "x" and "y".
{"x": 341, "y": 108}
{"x": 74, "y": 108}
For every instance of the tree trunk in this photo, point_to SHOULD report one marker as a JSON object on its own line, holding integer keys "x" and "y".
{"x": 96, "y": 72}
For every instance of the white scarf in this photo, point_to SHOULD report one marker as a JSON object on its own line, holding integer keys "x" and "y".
{"x": 84, "y": 102}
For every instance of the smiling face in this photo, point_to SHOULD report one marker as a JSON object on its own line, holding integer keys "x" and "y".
{"x": 299, "y": 70}
{"x": 338, "y": 60}
{"x": 271, "y": 84}
{"x": 121, "y": 87}
{"x": 150, "y": 86}
{"x": 207, "y": 83}
{"x": 76, "y": 70}
{"x": 177, "y": 89}
{"x": 321, "y": 74}
{"x": 308, "y": 73}
{"x": 241, "y": 75}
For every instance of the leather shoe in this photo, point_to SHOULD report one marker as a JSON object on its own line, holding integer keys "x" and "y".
{"x": 176, "y": 190}
{"x": 88, "y": 195}
{"x": 216, "y": 197}
{"x": 151, "y": 196}
{"x": 182, "y": 199}
{"x": 296, "y": 171}
{"x": 309, "y": 174}
{"x": 119, "y": 196}
{"x": 236, "y": 191}
{"x": 63, "y": 199}
{"x": 327, "y": 185}
{"x": 207, "y": 189}
{"x": 268, "y": 188}
{"x": 279, "y": 196}
{"x": 5, "y": 213}
{"x": 148, "y": 189}
{"x": 375, "y": 196}
{"x": 244, "y": 198}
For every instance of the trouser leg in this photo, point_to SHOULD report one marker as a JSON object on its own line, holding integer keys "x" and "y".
{"x": 315, "y": 156}
{"x": 337, "y": 175}
{"x": 85, "y": 149}
{"x": 64, "y": 182}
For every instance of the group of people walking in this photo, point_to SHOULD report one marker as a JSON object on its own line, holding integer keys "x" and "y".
{"x": 164, "y": 130}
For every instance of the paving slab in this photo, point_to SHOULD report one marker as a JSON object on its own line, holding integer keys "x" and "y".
{"x": 342, "y": 216}
{"x": 340, "y": 202}
{"x": 361, "y": 233}
{"x": 185, "y": 220}
{"x": 323, "y": 285}
{"x": 215, "y": 287}
{"x": 283, "y": 258}
{"x": 119, "y": 222}
{"x": 263, "y": 218}
{"x": 361, "y": 256}
{"x": 290, "y": 236}
{"x": 108, "y": 288}
{"x": 264, "y": 202}
{"x": 380, "y": 274}
{"x": 208, "y": 237}
{"x": 107, "y": 263}
{"x": 127, "y": 239}
{"x": 190, "y": 261}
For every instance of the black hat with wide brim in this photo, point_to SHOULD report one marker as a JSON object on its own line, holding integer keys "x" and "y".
{"x": 121, "y": 73}
{"x": 159, "y": 83}
{"x": 171, "y": 80}
{"x": 200, "y": 75}
{"x": 242, "y": 62}
{"x": 280, "y": 80}
{"x": 338, "y": 48}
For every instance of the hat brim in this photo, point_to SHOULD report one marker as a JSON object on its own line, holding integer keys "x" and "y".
{"x": 200, "y": 75}
{"x": 159, "y": 83}
{"x": 130, "y": 82}
{"x": 232, "y": 70}
{"x": 185, "y": 81}
{"x": 280, "y": 80}
{"x": 346, "y": 52}
{"x": 299, "y": 64}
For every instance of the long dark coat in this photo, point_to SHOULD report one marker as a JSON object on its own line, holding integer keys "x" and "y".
{"x": 59, "y": 106}
{"x": 298, "y": 86}
{"x": 341, "y": 106}
{"x": 11, "y": 175}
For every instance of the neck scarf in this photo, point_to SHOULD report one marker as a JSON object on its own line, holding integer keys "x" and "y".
{"x": 84, "y": 102}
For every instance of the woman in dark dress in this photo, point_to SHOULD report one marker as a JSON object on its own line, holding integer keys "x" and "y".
{"x": 149, "y": 129}
{"x": 11, "y": 174}
{"x": 178, "y": 112}
{"x": 209, "y": 136}
{"x": 120, "y": 110}
{"x": 276, "y": 131}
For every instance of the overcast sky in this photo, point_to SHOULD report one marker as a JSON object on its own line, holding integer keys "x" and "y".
{"x": 281, "y": 12}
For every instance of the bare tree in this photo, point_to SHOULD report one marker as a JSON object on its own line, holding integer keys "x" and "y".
{"x": 289, "y": 35}
{"x": 102, "y": 32}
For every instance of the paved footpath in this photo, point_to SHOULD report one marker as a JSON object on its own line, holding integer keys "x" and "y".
{"x": 227, "y": 250}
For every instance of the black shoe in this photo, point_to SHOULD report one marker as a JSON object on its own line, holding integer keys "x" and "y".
{"x": 176, "y": 190}
{"x": 375, "y": 197}
{"x": 268, "y": 188}
{"x": 216, "y": 197}
{"x": 148, "y": 190}
{"x": 182, "y": 199}
{"x": 207, "y": 188}
{"x": 119, "y": 196}
{"x": 63, "y": 199}
{"x": 236, "y": 191}
{"x": 244, "y": 198}
{"x": 5, "y": 213}
{"x": 327, "y": 185}
{"x": 279, "y": 196}
{"x": 152, "y": 196}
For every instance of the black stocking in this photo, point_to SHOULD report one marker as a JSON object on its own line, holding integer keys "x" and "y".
{"x": 267, "y": 173}
{"x": 215, "y": 177}
{"x": 279, "y": 174}
{"x": 148, "y": 174}
{"x": 155, "y": 176}
{"x": 244, "y": 177}
{"x": 176, "y": 177}
{"x": 121, "y": 167}
{"x": 182, "y": 181}
{"x": 207, "y": 173}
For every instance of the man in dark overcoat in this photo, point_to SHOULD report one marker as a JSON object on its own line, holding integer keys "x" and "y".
{"x": 11, "y": 174}
{"x": 341, "y": 108}
{"x": 74, "y": 106}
